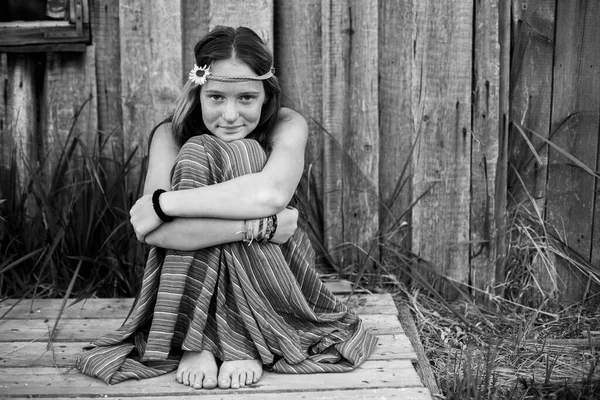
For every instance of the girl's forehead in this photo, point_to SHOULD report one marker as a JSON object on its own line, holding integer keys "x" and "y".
{"x": 233, "y": 87}
{"x": 231, "y": 67}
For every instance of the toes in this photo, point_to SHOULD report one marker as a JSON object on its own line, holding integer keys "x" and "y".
{"x": 192, "y": 379}
{"x": 242, "y": 378}
{"x": 250, "y": 378}
{"x": 224, "y": 383}
{"x": 183, "y": 376}
{"x": 209, "y": 383}
{"x": 197, "y": 383}
{"x": 235, "y": 380}
{"x": 257, "y": 376}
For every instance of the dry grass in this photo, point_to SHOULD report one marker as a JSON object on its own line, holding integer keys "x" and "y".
{"x": 522, "y": 342}
{"x": 509, "y": 352}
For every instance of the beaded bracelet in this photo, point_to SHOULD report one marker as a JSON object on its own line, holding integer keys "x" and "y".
{"x": 265, "y": 232}
{"x": 156, "y": 205}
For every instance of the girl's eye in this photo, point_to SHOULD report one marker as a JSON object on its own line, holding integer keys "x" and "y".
{"x": 247, "y": 98}
{"x": 216, "y": 97}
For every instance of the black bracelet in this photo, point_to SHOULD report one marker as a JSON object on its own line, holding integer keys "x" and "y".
{"x": 274, "y": 217}
{"x": 156, "y": 204}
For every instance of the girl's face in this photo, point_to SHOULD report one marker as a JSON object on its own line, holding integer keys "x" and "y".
{"x": 231, "y": 110}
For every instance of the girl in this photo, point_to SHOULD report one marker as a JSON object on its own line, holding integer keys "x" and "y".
{"x": 229, "y": 286}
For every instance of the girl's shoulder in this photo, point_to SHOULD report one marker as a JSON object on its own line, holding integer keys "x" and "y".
{"x": 287, "y": 114}
{"x": 161, "y": 130}
{"x": 291, "y": 130}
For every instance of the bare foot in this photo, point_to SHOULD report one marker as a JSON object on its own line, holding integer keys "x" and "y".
{"x": 198, "y": 369}
{"x": 236, "y": 374}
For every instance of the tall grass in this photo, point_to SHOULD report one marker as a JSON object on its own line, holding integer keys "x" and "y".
{"x": 66, "y": 231}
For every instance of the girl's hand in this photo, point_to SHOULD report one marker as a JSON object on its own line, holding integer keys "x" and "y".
{"x": 143, "y": 217}
{"x": 287, "y": 223}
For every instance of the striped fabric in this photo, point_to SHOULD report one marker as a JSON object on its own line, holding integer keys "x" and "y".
{"x": 240, "y": 301}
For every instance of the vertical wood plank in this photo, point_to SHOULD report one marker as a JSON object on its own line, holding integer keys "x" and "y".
{"x": 255, "y": 14}
{"x": 397, "y": 131}
{"x": 195, "y": 19}
{"x": 530, "y": 107}
{"x": 351, "y": 122}
{"x": 531, "y": 86}
{"x": 5, "y": 134}
{"x": 298, "y": 63}
{"x": 360, "y": 195}
{"x": 151, "y": 68}
{"x": 575, "y": 125}
{"x": 485, "y": 145}
{"x": 500, "y": 212}
{"x": 442, "y": 110}
{"x": 335, "y": 28}
{"x": 20, "y": 73}
{"x": 69, "y": 83}
{"x": 106, "y": 38}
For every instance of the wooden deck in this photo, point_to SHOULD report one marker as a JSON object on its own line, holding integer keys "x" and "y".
{"x": 28, "y": 368}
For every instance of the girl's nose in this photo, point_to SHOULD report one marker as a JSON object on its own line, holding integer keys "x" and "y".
{"x": 230, "y": 113}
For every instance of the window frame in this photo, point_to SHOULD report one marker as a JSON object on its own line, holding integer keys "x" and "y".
{"x": 71, "y": 34}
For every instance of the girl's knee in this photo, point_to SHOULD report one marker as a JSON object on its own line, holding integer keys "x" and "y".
{"x": 205, "y": 160}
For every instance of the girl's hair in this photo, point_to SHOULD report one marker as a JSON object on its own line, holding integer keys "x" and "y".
{"x": 223, "y": 43}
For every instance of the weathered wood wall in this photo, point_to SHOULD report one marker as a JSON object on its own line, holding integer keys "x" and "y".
{"x": 373, "y": 79}
{"x": 555, "y": 89}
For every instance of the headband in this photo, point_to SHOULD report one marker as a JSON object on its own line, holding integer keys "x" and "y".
{"x": 199, "y": 76}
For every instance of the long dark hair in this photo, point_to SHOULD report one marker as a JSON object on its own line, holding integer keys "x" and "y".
{"x": 223, "y": 43}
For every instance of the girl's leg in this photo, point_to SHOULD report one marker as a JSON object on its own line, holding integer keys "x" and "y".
{"x": 205, "y": 160}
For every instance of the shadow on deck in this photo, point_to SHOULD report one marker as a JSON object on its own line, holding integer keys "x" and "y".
{"x": 28, "y": 368}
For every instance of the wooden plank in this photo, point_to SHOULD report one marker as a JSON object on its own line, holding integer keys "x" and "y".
{"x": 195, "y": 23}
{"x": 105, "y": 29}
{"x": 298, "y": 63}
{"x": 484, "y": 146}
{"x": 64, "y": 354}
{"x": 531, "y": 85}
{"x": 530, "y": 107}
{"x": 335, "y": 28}
{"x": 119, "y": 308}
{"x": 255, "y": 14}
{"x": 500, "y": 214}
{"x": 422, "y": 366}
{"x": 575, "y": 126}
{"x": 396, "y": 126}
{"x": 36, "y": 381}
{"x": 350, "y": 119}
{"x": 360, "y": 167}
{"x": 79, "y": 330}
{"x": 91, "y": 329}
{"x": 364, "y": 394}
{"x": 150, "y": 70}
{"x": 19, "y": 116}
{"x": 69, "y": 88}
{"x": 442, "y": 111}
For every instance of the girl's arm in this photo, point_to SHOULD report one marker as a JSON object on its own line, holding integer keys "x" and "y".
{"x": 187, "y": 234}
{"x": 249, "y": 196}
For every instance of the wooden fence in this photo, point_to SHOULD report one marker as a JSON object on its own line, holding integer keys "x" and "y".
{"x": 406, "y": 91}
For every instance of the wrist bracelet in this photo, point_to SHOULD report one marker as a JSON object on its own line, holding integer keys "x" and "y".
{"x": 156, "y": 205}
{"x": 272, "y": 233}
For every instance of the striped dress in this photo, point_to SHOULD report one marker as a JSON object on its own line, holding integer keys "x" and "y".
{"x": 240, "y": 301}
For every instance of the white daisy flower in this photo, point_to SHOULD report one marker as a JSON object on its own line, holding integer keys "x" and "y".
{"x": 198, "y": 74}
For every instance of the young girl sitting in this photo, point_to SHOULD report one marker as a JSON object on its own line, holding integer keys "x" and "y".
{"x": 229, "y": 286}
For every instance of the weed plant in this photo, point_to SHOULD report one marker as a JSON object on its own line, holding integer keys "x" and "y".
{"x": 66, "y": 232}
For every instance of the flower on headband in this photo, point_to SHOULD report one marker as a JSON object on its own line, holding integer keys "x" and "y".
{"x": 198, "y": 74}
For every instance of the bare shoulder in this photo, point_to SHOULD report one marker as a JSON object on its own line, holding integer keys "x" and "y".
{"x": 163, "y": 131}
{"x": 291, "y": 128}
{"x": 287, "y": 114}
